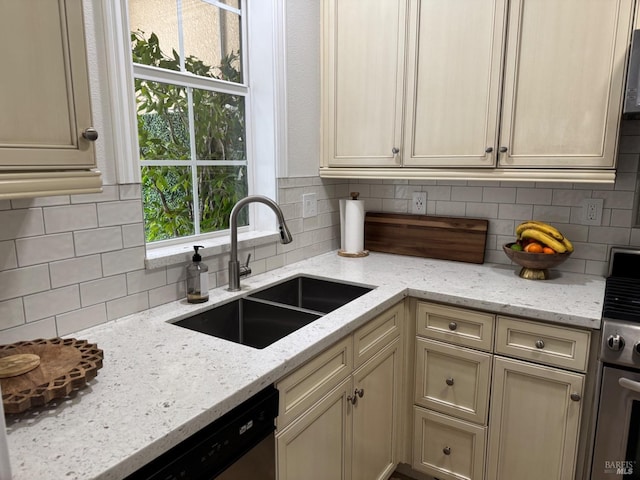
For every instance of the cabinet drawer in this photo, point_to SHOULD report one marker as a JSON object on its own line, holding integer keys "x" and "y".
{"x": 302, "y": 388}
{"x": 372, "y": 337}
{"x": 447, "y": 448}
{"x": 452, "y": 380}
{"x": 552, "y": 345}
{"x": 455, "y": 325}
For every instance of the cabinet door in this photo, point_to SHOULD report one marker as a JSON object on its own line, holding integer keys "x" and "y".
{"x": 454, "y": 70}
{"x": 564, "y": 77}
{"x": 363, "y": 81}
{"x": 534, "y": 421}
{"x": 375, "y": 414}
{"x": 317, "y": 446}
{"x": 45, "y": 88}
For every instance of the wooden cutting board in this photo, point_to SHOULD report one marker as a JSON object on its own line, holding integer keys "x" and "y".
{"x": 446, "y": 238}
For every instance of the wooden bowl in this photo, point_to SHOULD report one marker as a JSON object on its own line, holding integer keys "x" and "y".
{"x": 535, "y": 266}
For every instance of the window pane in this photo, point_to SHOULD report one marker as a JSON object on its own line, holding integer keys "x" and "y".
{"x": 220, "y": 188}
{"x": 219, "y": 126}
{"x": 211, "y": 41}
{"x": 168, "y": 202}
{"x": 154, "y": 27}
{"x": 163, "y": 123}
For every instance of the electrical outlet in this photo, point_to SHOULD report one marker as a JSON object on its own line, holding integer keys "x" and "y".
{"x": 419, "y": 203}
{"x": 592, "y": 211}
{"x": 309, "y": 205}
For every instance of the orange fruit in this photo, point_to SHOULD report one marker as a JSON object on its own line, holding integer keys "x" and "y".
{"x": 533, "y": 247}
{"x": 548, "y": 250}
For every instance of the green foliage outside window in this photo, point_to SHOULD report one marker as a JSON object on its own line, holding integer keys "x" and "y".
{"x": 163, "y": 132}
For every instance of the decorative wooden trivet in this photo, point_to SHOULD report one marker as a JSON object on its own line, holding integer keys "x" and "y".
{"x": 17, "y": 364}
{"x": 65, "y": 365}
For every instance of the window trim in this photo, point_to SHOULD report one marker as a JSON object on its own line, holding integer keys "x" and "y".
{"x": 267, "y": 80}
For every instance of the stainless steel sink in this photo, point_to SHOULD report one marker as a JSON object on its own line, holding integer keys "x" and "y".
{"x": 249, "y": 322}
{"x": 264, "y": 317}
{"x": 312, "y": 293}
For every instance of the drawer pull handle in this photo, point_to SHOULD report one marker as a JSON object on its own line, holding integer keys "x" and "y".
{"x": 540, "y": 344}
{"x": 359, "y": 392}
{"x": 575, "y": 397}
{"x": 446, "y": 451}
{"x": 449, "y": 381}
{"x": 453, "y": 326}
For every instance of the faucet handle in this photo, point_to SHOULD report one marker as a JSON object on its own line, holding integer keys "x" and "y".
{"x": 245, "y": 269}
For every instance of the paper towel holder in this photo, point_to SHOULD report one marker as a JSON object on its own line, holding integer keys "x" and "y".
{"x": 363, "y": 253}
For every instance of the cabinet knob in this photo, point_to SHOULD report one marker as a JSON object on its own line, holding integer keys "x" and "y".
{"x": 488, "y": 150}
{"x": 453, "y": 326}
{"x": 503, "y": 149}
{"x": 359, "y": 392}
{"x": 449, "y": 381}
{"x": 352, "y": 399}
{"x": 446, "y": 450}
{"x": 540, "y": 344}
{"x": 575, "y": 397}
{"x": 395, "y": 150}
{"x": 90, "y": 134}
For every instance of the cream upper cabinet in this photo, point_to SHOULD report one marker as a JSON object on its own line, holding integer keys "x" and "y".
{"x": 363, "y": 65}
{"x": 534, "y": 421}
{"x": 46, "y": 136}
{"x": 519, "y": 90}
{"x": 563, "y": 83}
{"x": 453, "y": 82}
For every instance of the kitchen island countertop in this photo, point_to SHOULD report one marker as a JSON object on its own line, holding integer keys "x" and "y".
{"x": 161, "y": 383}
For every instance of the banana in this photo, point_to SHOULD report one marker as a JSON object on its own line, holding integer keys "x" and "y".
{"x": 568, "y": 245}
{"x": 543, "y": 238}
{"x": 543, "y": 227}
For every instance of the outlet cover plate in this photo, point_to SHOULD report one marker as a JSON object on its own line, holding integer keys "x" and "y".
{"x": 309, "y": 205}
{"x": 419, "y": 203}
{"x": 592, "y": 211}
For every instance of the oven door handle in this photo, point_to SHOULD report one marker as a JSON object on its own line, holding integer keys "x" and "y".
{"x": 629, "y": 384}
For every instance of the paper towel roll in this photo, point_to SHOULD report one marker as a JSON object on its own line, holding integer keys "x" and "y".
{"x": 343, "y": 206}
{"x": 354, "y": 226}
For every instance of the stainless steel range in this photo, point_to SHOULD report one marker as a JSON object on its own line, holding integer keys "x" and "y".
{"x": 617, "y": 437}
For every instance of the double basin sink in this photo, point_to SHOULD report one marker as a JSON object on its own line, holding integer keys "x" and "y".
{"x": 267, "y": 315}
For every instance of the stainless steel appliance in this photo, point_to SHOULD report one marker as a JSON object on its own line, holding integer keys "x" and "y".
{"x": 617, "y": 438}
{"x": 237, "y": 446}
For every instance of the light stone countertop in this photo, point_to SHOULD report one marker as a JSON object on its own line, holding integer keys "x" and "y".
{"x": 161, "y": 383}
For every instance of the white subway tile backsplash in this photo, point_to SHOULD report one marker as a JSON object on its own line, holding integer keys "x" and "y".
{"x": 109, "y": 194}
{"x": 133, "y": 235}
{"x": 121, "y": 261}
{"x": 382, "y": 191}
{"x": 538, "y": 196}
{"x": 482, "y": 210}
{"x": 615, "y": 199}
{"x": 499, "y": 194}
{"x": 75, "y": 270}
{"x": 124, "y": 306}
{"x": 11, "y": 313}
{"x": 551, "y": 214}
{"x": 8, "y": 257}
{"x": 103, "y": 289}
{"x": 130, "y": 191}
{"x": 24, "y": 281}
{"x": 621, "y": 218}
{"x": 70, "y": 218}
{"x": 119, "y": 213}
{"x": 98, "y": 240}
{"x": 142, "y": 280}
{"x": 51, "y": 302}
{"x": 453, "y": 209}
{"x": 609, "y": 235}
{"x": 40, "y": 202}
{"x": 167, "y": 293}
{"x": 45, "y": 328}
{"x": 26, "y": 222}
{"x": 515, "y": 211}
{"x": 394, "y": 205}
{"x": 47, "y": 248}
{"x": 437, "y": 192}
{"x": 80, "y": 319}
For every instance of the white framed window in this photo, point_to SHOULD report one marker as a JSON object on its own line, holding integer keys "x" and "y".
{"x": 241, "y": 76}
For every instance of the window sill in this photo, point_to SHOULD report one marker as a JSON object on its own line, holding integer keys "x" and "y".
{"x": 181, "y": 254}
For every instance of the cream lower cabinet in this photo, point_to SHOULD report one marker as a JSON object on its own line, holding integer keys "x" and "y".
{"x": 479, "y": 414}
{"x": 534, "y": 423}
{"x": 346, "y": 430}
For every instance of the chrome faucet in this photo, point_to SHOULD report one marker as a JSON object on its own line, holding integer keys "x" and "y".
{"x": 235, "y": 270}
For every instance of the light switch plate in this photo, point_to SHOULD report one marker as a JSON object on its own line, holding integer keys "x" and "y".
{"x": 309, "y": 205}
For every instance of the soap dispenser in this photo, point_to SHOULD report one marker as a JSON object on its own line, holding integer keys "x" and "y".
{"x": 197, "y": 279}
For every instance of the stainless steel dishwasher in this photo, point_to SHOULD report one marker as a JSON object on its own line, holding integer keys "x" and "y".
{"x": 237, "y": 446}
